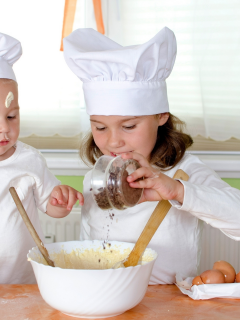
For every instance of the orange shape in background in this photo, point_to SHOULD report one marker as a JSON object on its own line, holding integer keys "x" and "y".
{"x": 98, "y": 16}
{"x": 68, "y": 19}
{"x": 69, "y": 15}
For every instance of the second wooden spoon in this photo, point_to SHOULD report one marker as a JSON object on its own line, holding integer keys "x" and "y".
{"x": 152, "y": 225}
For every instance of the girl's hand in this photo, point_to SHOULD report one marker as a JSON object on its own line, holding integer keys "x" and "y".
{"x": 157, "y": 185}
{"x": 62, "y": 199}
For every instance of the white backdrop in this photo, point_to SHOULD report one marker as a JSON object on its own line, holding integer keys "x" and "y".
{"x": 203, "y": 88}
{"x": 50, "y": 96}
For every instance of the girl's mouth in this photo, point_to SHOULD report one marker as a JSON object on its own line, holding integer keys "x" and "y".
{"x": 113, "y": 154}
{"x": 117, "y": 154}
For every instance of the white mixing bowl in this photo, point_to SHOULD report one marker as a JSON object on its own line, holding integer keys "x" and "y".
{"x": 91, "y": 293}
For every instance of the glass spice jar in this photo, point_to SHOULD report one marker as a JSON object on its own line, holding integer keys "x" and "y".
{"x": 109, "y": 184}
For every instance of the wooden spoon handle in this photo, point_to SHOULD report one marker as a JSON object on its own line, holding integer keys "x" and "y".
{"x": 30, "y": 227}
{"x": 152, "y": 225}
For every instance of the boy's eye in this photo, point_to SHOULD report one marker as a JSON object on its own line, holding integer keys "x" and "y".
{"x": 129, "y": 127}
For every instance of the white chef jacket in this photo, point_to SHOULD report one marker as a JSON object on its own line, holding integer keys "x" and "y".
{"x": 26, "y": 170}
{"x": 177, "y": 240}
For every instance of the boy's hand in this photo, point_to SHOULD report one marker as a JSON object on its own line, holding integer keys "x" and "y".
{"x": 61, "y": 201}
{"x": 157, "y": 185}
{"x": 65, "y": 197}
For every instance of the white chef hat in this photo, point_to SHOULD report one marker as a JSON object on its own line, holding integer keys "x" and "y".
{"x": 121, "y": 80}
{"x": 10, "y": 52}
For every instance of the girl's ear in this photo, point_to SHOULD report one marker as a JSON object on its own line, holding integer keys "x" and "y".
{"x": 163, "y": 118}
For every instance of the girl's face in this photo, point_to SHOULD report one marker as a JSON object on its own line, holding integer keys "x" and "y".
{"x": 115, "y": 135}
{"x": 9, "y": 119}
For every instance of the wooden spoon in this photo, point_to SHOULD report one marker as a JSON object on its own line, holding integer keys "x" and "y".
{"x": 30, "y": 227}
{"x": 151, "y": 227}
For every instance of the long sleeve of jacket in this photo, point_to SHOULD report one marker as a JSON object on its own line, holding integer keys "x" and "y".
{"x": 209, "y": 198}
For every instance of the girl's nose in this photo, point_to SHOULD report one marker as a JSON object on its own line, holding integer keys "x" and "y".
{"x": 115, "y": 140}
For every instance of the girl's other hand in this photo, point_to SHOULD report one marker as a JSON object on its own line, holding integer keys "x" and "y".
{"x": 157, "y": 185}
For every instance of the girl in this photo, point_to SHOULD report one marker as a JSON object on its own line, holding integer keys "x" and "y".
{"x": 24, "y": 168}
{"x": 126, "y": 98}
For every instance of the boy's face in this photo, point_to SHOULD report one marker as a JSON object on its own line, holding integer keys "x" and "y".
{"x": 120, "y": 134}
{"x": 9, "y": 119}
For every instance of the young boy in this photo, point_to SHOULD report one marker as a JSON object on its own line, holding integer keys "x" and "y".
{"x": 24, "y": 168}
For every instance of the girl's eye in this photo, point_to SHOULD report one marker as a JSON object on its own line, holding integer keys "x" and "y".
{"x": 100, "y": 129}
{"x": 129, "y": 127}
{"x": 11, "y": 117}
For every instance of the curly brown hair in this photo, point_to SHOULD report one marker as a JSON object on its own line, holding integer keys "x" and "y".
{"x": 169, "y": 149}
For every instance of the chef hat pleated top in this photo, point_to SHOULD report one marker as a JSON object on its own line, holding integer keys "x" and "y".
{"x": 121, "y": 80}
{"x": 10, "y": 52}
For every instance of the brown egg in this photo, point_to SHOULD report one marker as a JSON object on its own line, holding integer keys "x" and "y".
{"x": 212, "y": 276}
{"x": 238, "y": 277}
{"x": 227, "y": 270}
{"x": 197, "y": 281}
